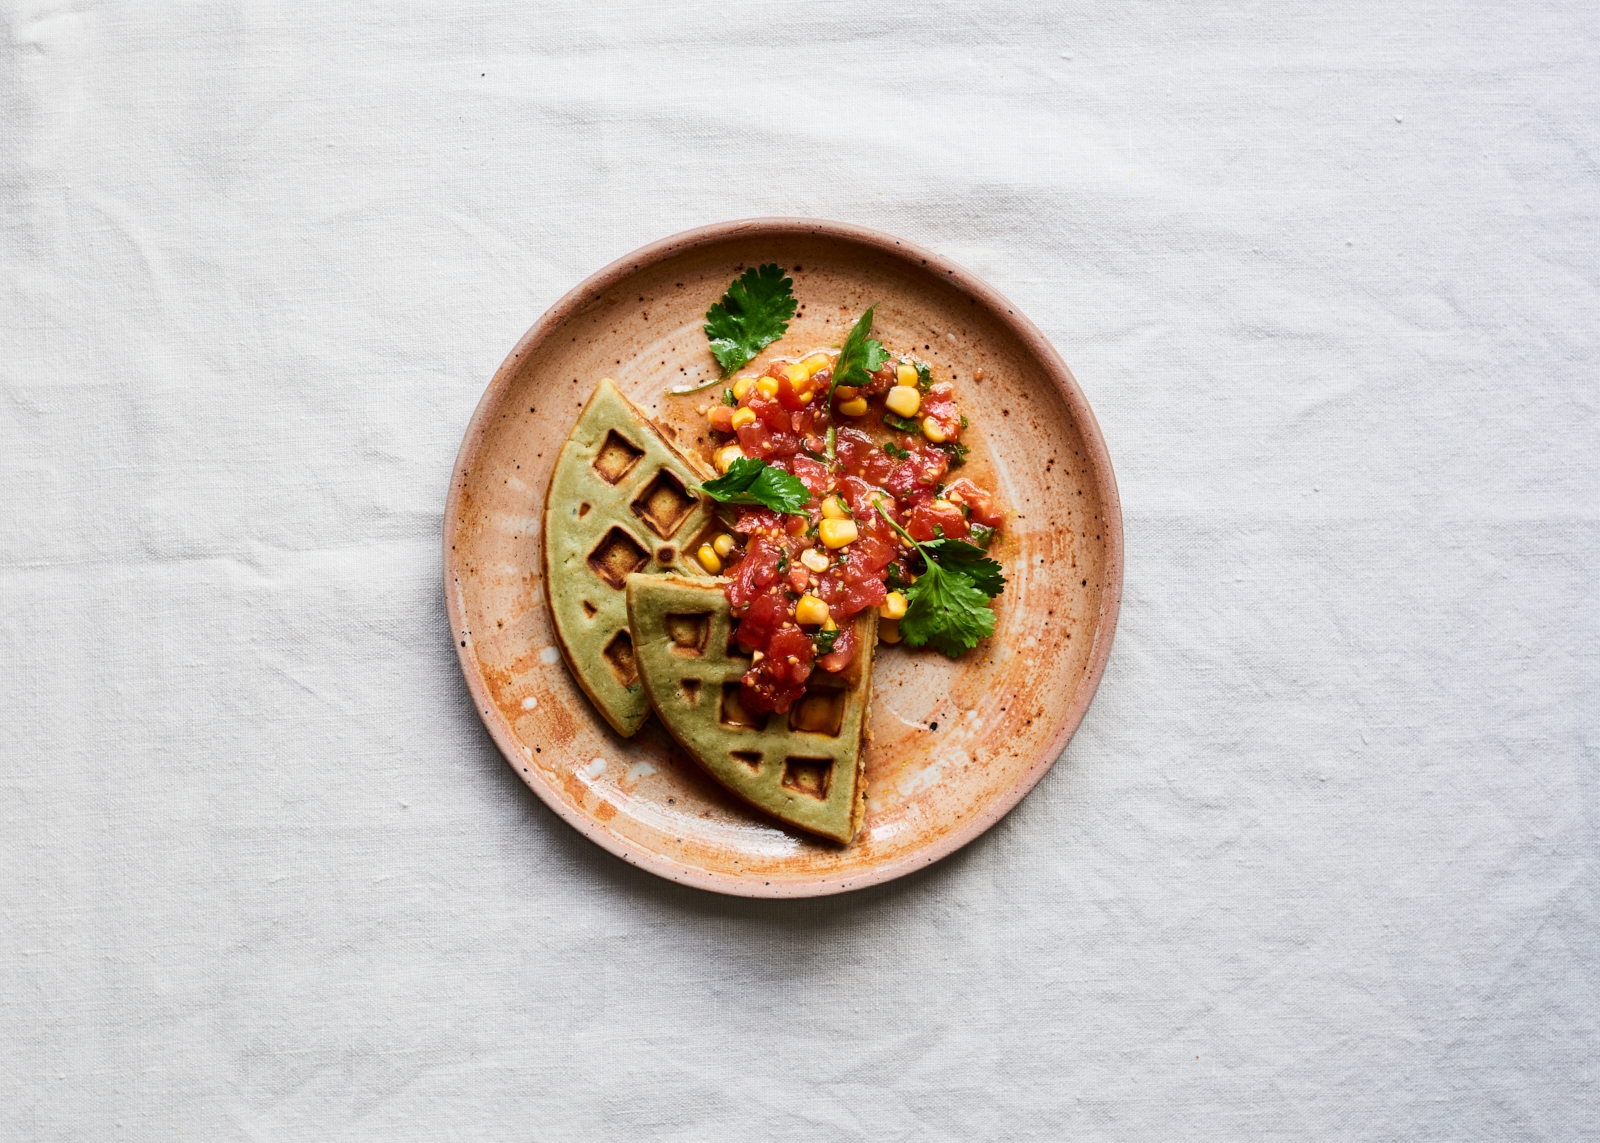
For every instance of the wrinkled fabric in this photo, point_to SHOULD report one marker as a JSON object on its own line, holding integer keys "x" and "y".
{"x": 1321, "y": 862}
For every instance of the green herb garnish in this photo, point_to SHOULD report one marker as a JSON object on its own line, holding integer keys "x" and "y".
{"x": 955, "y": 450}
{"x": 824, "y": 640}
{"x": 901, "y": 425}
{"x": 981, "y": 536}
{"x": 924, "y": 375}
{"x": 895, "y": 450}
{"x": 859, "y": 357}
{"x": 948, "y": 606}
{"x": 751, "y": 481}
{"x": 754, "y": 313}
{"x": 728, "y": 398}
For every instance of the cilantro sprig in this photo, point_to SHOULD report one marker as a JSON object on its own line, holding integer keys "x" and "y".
{"x": 859, "y": 357}
{"x": 751, "y": 481}
{"x": 948, "y": 606}
{"x": 753, "y": 313}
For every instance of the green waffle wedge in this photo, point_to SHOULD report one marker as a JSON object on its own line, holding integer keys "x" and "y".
{"x": 804, "y": 768}
{"x": 620, "y": 501}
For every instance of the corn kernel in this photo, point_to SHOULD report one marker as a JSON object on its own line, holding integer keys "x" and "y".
{"x": 931, "y": 430}
{"x": 838, "y": 533}
{"x": 742, "y": 387}
{"x": 905, "y": 375}
{"x": 854, "y": 408}
{"x": 816, "y": 363}
{"x": 893, "y": 606}
{"x": 767, "y": 387}
{"x": 810, "y": 611}
{"x": 889, "y": 631}
{"x": 724, "y": 457}
{"x": 722, "y": 545}
{"x": 815, "y": 560}
{"x": 743, "y": 417}
{"x": 833, "y": 508}
{"x": 708, "y": 559}
{"x": 829, "y": 625}
{"x": 903, "y": 401}
{"x": 797, "y": 373}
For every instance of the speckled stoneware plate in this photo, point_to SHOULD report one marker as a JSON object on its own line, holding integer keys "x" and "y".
{"x": 954, "y": 744}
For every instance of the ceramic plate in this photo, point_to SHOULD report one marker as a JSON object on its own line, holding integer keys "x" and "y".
{"x": 954, "y": 745}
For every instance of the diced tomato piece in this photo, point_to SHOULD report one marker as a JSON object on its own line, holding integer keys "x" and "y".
{"x": 868, "y": 557}
{"x": 780, "y": 678}
{"x": 925, "y": 518}
{"x": 979, "y": 502}
{"x": 799, "y": 579}
{"x": 881, "y": 380}
{"x": 753, "y": 574}
{"x": 844, "y": 651}
{"x": 772, "y": 414}
{"x": 804, "y": 421}
{"x": 755, "y": 439}
{"x": 813, "y": 474}
{"x": 791, "y": 397}
{"x": 757, "y": 625}
{"x": 721, "y": 419}
{"x": 940, "y": 404}
{"x": 922, "y": 469}
{"x": 757, "y": 520}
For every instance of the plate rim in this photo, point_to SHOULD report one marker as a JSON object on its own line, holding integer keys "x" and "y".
{"x": 574, "y": 300}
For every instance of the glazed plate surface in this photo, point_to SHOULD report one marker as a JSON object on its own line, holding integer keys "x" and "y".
{"x": 954, "y": 745}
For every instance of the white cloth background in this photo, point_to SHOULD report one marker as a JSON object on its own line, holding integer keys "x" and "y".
{"x": 1322, "y": 861}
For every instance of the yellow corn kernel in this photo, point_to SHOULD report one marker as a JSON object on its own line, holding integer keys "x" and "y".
{"x": 905, "y": 375}
{"x": 930, "y": 429}
{"x": 815, "y": 560}
{"x": 893, "y": 606}
{"x": 816, "y": 363}
{"x": 805, "y": 393}
{"x": 829, "y": 625}
{"x": 742, "y": 387}
{"x": 742, "y": 417}
{"x": 797, "y": 372}
{"x": 724, "y": 457}
{"x": 722, "y": 545}
{"x": 810, "y": 611}
{"x": 833, "y": 508}
{"x": 853, "y": 408}
{"x": 838, "y": 533}
{"x": 903, "y": 401}
{"x": 889, "y": 630}
{"x": 707, "y": 556}
{"x": 767, "y": 387}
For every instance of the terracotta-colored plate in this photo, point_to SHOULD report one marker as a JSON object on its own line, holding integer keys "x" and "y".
{"x": 954, "y": 744}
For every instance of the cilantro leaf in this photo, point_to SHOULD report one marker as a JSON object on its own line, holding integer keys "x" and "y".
{"x": 859, "y": 356}
{"x": 753, "y": 314}
{"x": 895, "y": 450}
{"x": 955, "y": 450}
{"x": 948, "y": 605}
{"x": 901, "y": 425}
{"x": 944, "y": 609}
{"x": 824, "y": 641}
{"x": 970, "y": 561}
{"x": 751, "y": 481}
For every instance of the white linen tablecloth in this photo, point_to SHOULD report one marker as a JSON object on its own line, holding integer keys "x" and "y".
{"x": 1322, "y": 861}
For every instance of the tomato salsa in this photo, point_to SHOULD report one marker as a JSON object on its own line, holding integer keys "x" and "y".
{"x": 796, "y": 581}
